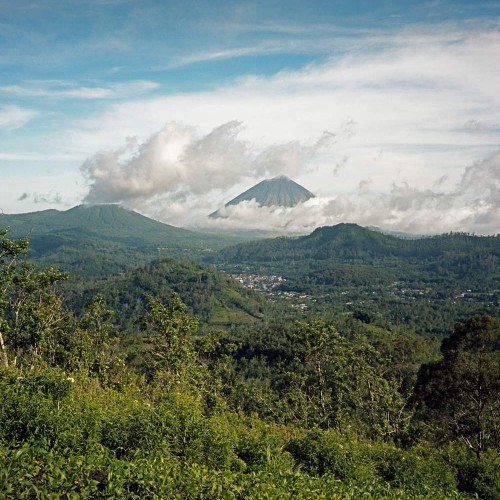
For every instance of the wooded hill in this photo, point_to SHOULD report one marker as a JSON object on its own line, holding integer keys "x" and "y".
{"x": 425, "y": 284}
{"x": 351, "y": 243}
{"x": 215, "y": 298}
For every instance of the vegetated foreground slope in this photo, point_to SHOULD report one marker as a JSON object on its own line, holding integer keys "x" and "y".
{"x": 103, "y": 239}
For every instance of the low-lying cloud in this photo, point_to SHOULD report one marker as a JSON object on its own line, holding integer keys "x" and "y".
{"x": 179, "y": 176}
{"x": 472, "y": 206}
{"x": 44, "y": 198}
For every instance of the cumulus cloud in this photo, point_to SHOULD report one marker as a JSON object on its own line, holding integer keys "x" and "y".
{"x": 14, "y": 117}
{"x": 177, "y": 162}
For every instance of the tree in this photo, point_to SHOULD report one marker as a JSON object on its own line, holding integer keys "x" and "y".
{"x": 10, "y": 253}
{"x": 96, "y": 343}
{"x": 461, "y": 392}
{"x": 34, "y": 324}
{"x": 40, "y": 326}
{"x": 332, "y": 382}
{"x": 171, "y": 334}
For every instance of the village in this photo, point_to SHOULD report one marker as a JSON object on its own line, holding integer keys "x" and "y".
{"x": 268, "y": 285}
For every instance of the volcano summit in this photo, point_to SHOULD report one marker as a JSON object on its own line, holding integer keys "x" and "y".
{"x": 279, "y": 191}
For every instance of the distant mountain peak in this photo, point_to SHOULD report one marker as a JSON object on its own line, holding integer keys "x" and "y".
{"x": 279, "y": 191}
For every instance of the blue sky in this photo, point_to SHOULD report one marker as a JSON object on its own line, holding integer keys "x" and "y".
{"x": 389, "y": 111}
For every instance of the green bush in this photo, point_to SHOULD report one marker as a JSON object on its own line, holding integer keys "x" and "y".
{"x": 480, "y": 477}
{"x": 321, "y": 452}
{"x": 34, "y": 404}
{"x": 418, "y": 470}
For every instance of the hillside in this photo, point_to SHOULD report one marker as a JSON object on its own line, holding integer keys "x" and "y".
{"x": 105, "y": 239}
{"x": 459, "y": 255}
{"x": 215, "y": 298}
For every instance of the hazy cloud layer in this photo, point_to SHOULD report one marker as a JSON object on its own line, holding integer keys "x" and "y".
{"x": 472, "y": 206}
{"x": 63, "y": 89}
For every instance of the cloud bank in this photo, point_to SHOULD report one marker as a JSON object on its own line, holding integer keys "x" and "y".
{"x": 472, "y": 206}
{"x": 179, "y": 176}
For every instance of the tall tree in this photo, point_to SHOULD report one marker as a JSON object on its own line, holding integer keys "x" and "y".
{"x": 171, "y": 333}
{"x": 10, "y": 253}
{"x": 34, "y": 324}
{"x": 461, "y": 392}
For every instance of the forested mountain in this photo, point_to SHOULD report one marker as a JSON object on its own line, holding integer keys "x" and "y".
{"x": 350, "y": 242}
{"x": 102, "y": 239}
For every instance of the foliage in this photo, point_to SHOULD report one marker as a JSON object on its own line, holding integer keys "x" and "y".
{"x": 462, "y": 390}
{"x": 171, "y": 336}
{"x": 311, "y": 409}
{"x": 216, "y": 299}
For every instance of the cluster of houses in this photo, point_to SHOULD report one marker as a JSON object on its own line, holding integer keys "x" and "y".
{"x": 268, "y": 285}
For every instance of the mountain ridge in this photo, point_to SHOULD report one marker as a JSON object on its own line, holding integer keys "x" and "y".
{"x": 102, "y": 239}
{"x": 351, "y": 241}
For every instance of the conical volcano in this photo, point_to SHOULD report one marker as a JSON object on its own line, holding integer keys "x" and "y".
{"x": 279, "y": 191}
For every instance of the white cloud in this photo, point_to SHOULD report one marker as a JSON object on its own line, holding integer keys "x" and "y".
{"x": 413, "y": 111}
{"x": 14, "y": 117}
{"x": 62, "y": 89}
{"x": 217, "y": 55}
{"x": 178, "y": 160}
{"x": 418, "y": 88}
{"x": 180, "y": 176}
{"x": 472, "y": 206}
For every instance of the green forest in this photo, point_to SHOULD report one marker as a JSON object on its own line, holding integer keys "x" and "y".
{"x": 365, "y": 366}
